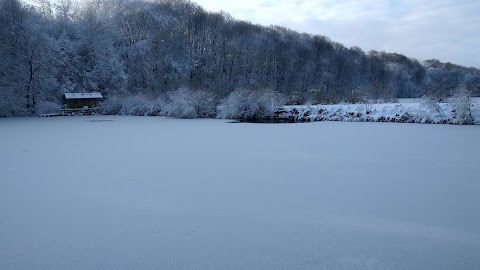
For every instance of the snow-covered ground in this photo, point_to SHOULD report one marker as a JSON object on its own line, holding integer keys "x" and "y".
{"x": 403, "y": 111}
{"x": 113, "y": 192}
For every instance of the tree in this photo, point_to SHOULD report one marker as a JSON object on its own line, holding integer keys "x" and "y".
{"x": 462, "y": 108}
{"x": 472, "y": 85}
{"x": 12, "y": 51}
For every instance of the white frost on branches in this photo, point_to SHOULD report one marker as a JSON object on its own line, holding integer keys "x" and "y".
{"x": 462, "y": 108}
{"x": 248, "y": 104}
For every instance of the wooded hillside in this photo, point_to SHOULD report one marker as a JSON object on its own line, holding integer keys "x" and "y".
{"x": 127, "y": 48}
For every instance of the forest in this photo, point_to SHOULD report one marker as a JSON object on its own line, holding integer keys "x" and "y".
{"x": 188, "y": 62}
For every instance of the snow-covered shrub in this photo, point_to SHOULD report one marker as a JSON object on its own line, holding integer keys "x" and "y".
{"x": 8, "y": 109}
{"x": 186, "y": 103}
{"x": 136, "y": 105}
{"x": 132, "y": 105}
{"x": 11, "y": 102}
{"x": 356, "y": 95}
{"x": 45, "y": 107}
{"x": 461, "y": 107}
{"x": 240, "y": 104}
{"x": 321, "y": 96}
{"x": 156, "y": 106}
{"x": 268, "y": 102}
{"x": 432, "y": 107}
{"x": 248, "y": 104}
{"x": 111, "y": 105}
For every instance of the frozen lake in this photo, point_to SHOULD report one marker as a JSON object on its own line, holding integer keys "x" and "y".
{"x": 112, "y": 192}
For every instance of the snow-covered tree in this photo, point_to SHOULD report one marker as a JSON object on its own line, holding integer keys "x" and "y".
{"x": 462, "y": 108}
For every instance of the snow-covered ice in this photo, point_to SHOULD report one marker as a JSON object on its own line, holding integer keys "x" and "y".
{"x": 113, "y": 192}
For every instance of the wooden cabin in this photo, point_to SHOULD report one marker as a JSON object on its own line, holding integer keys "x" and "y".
{"x": 81, "y": 100}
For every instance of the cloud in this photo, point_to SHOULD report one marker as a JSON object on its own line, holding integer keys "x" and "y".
{"x": 444, "y": 29}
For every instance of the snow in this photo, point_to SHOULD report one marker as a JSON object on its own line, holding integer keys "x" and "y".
{"x": 83, "y": 95}
{"x": 404, "y": 111}
{"x": 118, "y": 192}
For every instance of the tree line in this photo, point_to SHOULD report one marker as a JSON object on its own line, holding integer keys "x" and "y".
{"x": 131, "y": 48}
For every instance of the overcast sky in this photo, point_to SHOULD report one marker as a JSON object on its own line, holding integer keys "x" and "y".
{"x": 448, "y": 30}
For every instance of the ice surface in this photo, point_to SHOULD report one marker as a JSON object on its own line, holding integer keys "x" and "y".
{"x": 112, "y": 192}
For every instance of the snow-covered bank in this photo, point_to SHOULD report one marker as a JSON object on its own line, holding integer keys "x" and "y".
{"x": 254, "y": 106}
{"x": 401, "y": 112}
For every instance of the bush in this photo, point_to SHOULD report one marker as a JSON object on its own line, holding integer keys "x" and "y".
{"x": 46, "y": 107}
{"x": 185, "y": 103}
{"x": 248, "y": 104}
{"x": 137, "y": 105}
{"x": 132, "y": 105}
{"x": 111, "y": 105}
{"x": 11, "y": 103}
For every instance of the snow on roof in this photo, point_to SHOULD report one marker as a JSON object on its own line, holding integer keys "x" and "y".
{"x": 83, "y": 95}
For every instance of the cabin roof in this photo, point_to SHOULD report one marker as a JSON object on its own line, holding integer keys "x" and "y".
{"x": 93, "y": 95}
